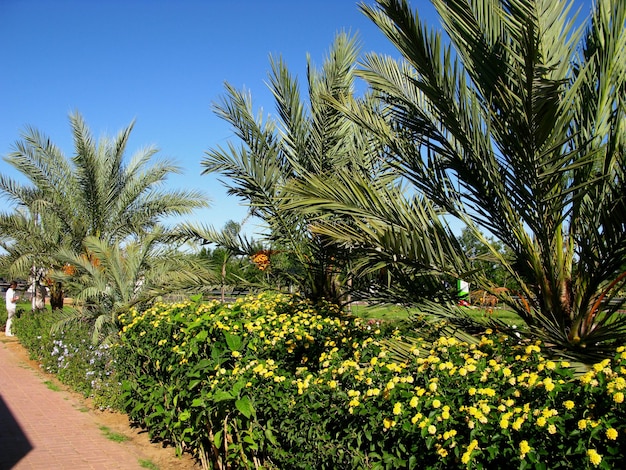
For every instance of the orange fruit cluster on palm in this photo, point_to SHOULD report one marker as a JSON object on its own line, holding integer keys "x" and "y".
{"x": 261, "y": 259}
{"x": 69, "y": 269}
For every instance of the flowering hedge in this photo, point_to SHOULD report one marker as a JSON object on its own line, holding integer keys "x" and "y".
{"x": 274, "y": 381}
{"x": 71, "y": 356}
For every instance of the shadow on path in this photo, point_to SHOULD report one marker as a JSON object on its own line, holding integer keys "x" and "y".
{"x": 14, "y": 445}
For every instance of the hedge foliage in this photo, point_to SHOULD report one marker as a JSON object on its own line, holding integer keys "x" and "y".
{"x": 275, "y": 382}
{"x": 69, "y": 354}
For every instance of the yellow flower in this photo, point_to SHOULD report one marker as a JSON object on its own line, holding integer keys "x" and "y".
{"x": 517, "y": 424}
{"x": 541, "y": 421}
{"x": 436, "y": 403}
{"x": 594, "y": 457}
{"x": 468, "y": 453}
{"x": 524, "y": 448}
{"x": 552, "y": 429}
{"x": 618, "y": 397}
{"x": 388, "y": 423}
{"x": 568, "y": 404}
{"x": 582, "y": 424}
{"x": 236, "y": 354}
{"x": 413, "y": 403}
{"x": 397, "y": 408}
{"x": 611, "y": 434}
{"x": 432, "y": 429}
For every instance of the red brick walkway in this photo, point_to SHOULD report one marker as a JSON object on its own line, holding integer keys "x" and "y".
{"x": 44, "y": 429}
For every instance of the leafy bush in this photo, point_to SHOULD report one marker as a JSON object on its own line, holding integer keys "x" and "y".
{"x": 277, "y": 382}
{"x": 70, "y": 354}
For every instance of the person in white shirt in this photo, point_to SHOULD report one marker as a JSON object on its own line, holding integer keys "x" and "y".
{"x": 11, "y": 299}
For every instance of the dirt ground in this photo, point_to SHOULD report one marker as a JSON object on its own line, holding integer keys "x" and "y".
{"x": 162, "y": 457}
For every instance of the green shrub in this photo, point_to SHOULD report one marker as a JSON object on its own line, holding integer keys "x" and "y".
{"x": 21, "y": 308}
{"x": 70, "y": 355}
{"x": 275, "y": 381}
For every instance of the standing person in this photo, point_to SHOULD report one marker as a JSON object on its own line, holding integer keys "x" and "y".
{"x": 11, "y": 299}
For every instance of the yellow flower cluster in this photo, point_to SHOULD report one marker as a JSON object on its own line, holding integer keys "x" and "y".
{"x": 594, "y": 457}
{"x": 524, "y": 449}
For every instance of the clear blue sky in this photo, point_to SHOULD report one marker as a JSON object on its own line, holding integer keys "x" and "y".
{"x": 162, "y": 63}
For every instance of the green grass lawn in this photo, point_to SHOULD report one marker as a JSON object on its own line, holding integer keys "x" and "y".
{"x": 398, "y": 313}
{"x": 381, "y": 312}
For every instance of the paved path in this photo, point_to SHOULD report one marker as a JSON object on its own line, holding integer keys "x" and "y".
{"x": 42, "y": 429}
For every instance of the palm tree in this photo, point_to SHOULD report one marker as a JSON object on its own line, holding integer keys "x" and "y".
{"x": 108, "y": 279}
{"x": 307, "y": 137}
{"x": 94, "y": 193}
{"x": 29, "y": 247}
{"x": 517, "y": 129}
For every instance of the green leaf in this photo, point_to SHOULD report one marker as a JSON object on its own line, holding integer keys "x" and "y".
{"x": 251, "y": 442}
{"x": 234, "y": 342}
{"x": 238, "y": 387}
{"x": 201, "y": 336}
{"x": 197, "y": 402}
{"x": 222, "y": 395}
{"x": 244, "y": 405}
{"x": 216, "y": 353}
{"x": 270, "y": 437}
{"x": 217, "y": 439}
{"x": 184, "y": 415}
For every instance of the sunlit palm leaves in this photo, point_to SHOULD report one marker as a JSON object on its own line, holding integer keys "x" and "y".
{"x": 107, "y": 279}
{"x": 309, "y": 136}
{"x": 94, "y": 193}
{"x": 515, "y": 126}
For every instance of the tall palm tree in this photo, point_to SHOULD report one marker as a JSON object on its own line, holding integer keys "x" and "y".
{"x": 517, "y": 128}
{"x": 308, "y": 137}
{"x": 94, "y": 193}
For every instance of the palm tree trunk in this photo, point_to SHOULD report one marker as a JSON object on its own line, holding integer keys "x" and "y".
{"x": 56, "y": 296}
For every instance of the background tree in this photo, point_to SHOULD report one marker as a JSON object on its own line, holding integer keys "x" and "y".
{"x": 479, "y": 251}
{"x": 231, "y": 248}
{"x": 95, "y": 193}
{"x": 307, "y": 137}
